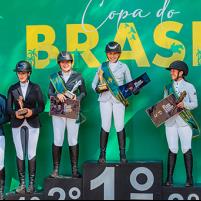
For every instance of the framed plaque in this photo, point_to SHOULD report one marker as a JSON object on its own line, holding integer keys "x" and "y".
{"x": 69, "y": 109}
{"x": 164, "y": 110}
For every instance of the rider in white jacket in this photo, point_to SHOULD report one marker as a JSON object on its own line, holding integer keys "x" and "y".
{"x": 177, "y": 128}
{"x": 109, "y": 103}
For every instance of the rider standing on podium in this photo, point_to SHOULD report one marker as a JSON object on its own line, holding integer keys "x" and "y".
{"x": 25, "y": 103}
{"x": 66, "y": 80}
{"x": 107, "y": 80}
{"x": 183, "y": 126}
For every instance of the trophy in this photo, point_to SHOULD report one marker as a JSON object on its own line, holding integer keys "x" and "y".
{"x": 182, "y": 96}
{"x": 70, "y": 94}
{"x": 102, "y": 85}
{"x": 180, "y": 99}
{"x": 22, "y": 111}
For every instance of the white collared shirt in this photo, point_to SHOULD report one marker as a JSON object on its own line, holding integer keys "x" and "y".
{"x": 24, "y": 87}
{"x": 113, "y": 66}
{"x": 178, "y": 85}
{"x": 66, "y": 76}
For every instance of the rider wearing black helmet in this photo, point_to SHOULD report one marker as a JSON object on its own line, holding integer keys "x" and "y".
{"x": 113, "y": 73}
{"x": 182, "y": 126}
{"x": 23, "y": 66}
{"x": 67, "y": 78}
{"x": 181, "y": 67}
{"x": 113, "y": 47}
{"x": 25, "y": 103}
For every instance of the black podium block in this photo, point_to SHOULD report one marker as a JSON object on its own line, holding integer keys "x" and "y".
{"x": 35, "y": 196}
{"x": 182, "y": 193}
{"x": 63, "y": 189}
{"x": 132, "y": 181}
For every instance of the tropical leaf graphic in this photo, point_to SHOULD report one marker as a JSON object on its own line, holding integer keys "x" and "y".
{"x": 126, "y": 25}
{"x": 176, "y": 48}
{"x": 31, "y": 56}
{"x": 132, "y": 31}
{"x": 199, "y": 57}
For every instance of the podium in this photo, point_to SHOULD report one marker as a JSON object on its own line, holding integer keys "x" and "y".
{"x": 181, "y": 193}
{"x": 35, "y": 196}
{"x": 113, "y": 181}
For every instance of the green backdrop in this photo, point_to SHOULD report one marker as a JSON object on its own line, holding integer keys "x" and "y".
{"x": 172, "y": 33}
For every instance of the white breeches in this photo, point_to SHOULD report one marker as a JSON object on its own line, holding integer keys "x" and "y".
{"x": 25, "y": 142}
{"x": 117, "y": 109}
{"x": 60, "y": 124}
{"x": 2, "y": 151}
{"x": 174, "y": 134}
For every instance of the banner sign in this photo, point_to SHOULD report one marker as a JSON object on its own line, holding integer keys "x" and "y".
{"x": 135, "y": 86}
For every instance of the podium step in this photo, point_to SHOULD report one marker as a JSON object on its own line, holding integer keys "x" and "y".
{"x": 113, "y": 181}
{"x": 63, "y": 189}
{"x": 181, "y": 193}
{"x": 35, "y": 196}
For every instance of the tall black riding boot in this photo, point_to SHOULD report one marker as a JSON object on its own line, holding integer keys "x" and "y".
{"x": 21, "y": 172}
{"x": 32, "y": 175}
{"x": 74, "y": 155}
{"x": 122, "y": 146}
{"x": 188, "y": 159}
{"x": 56, "y": 155}
{"x": 170, "y": 169}
{"x": 103, "y": 146}
{"x": 2, "y": 183}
